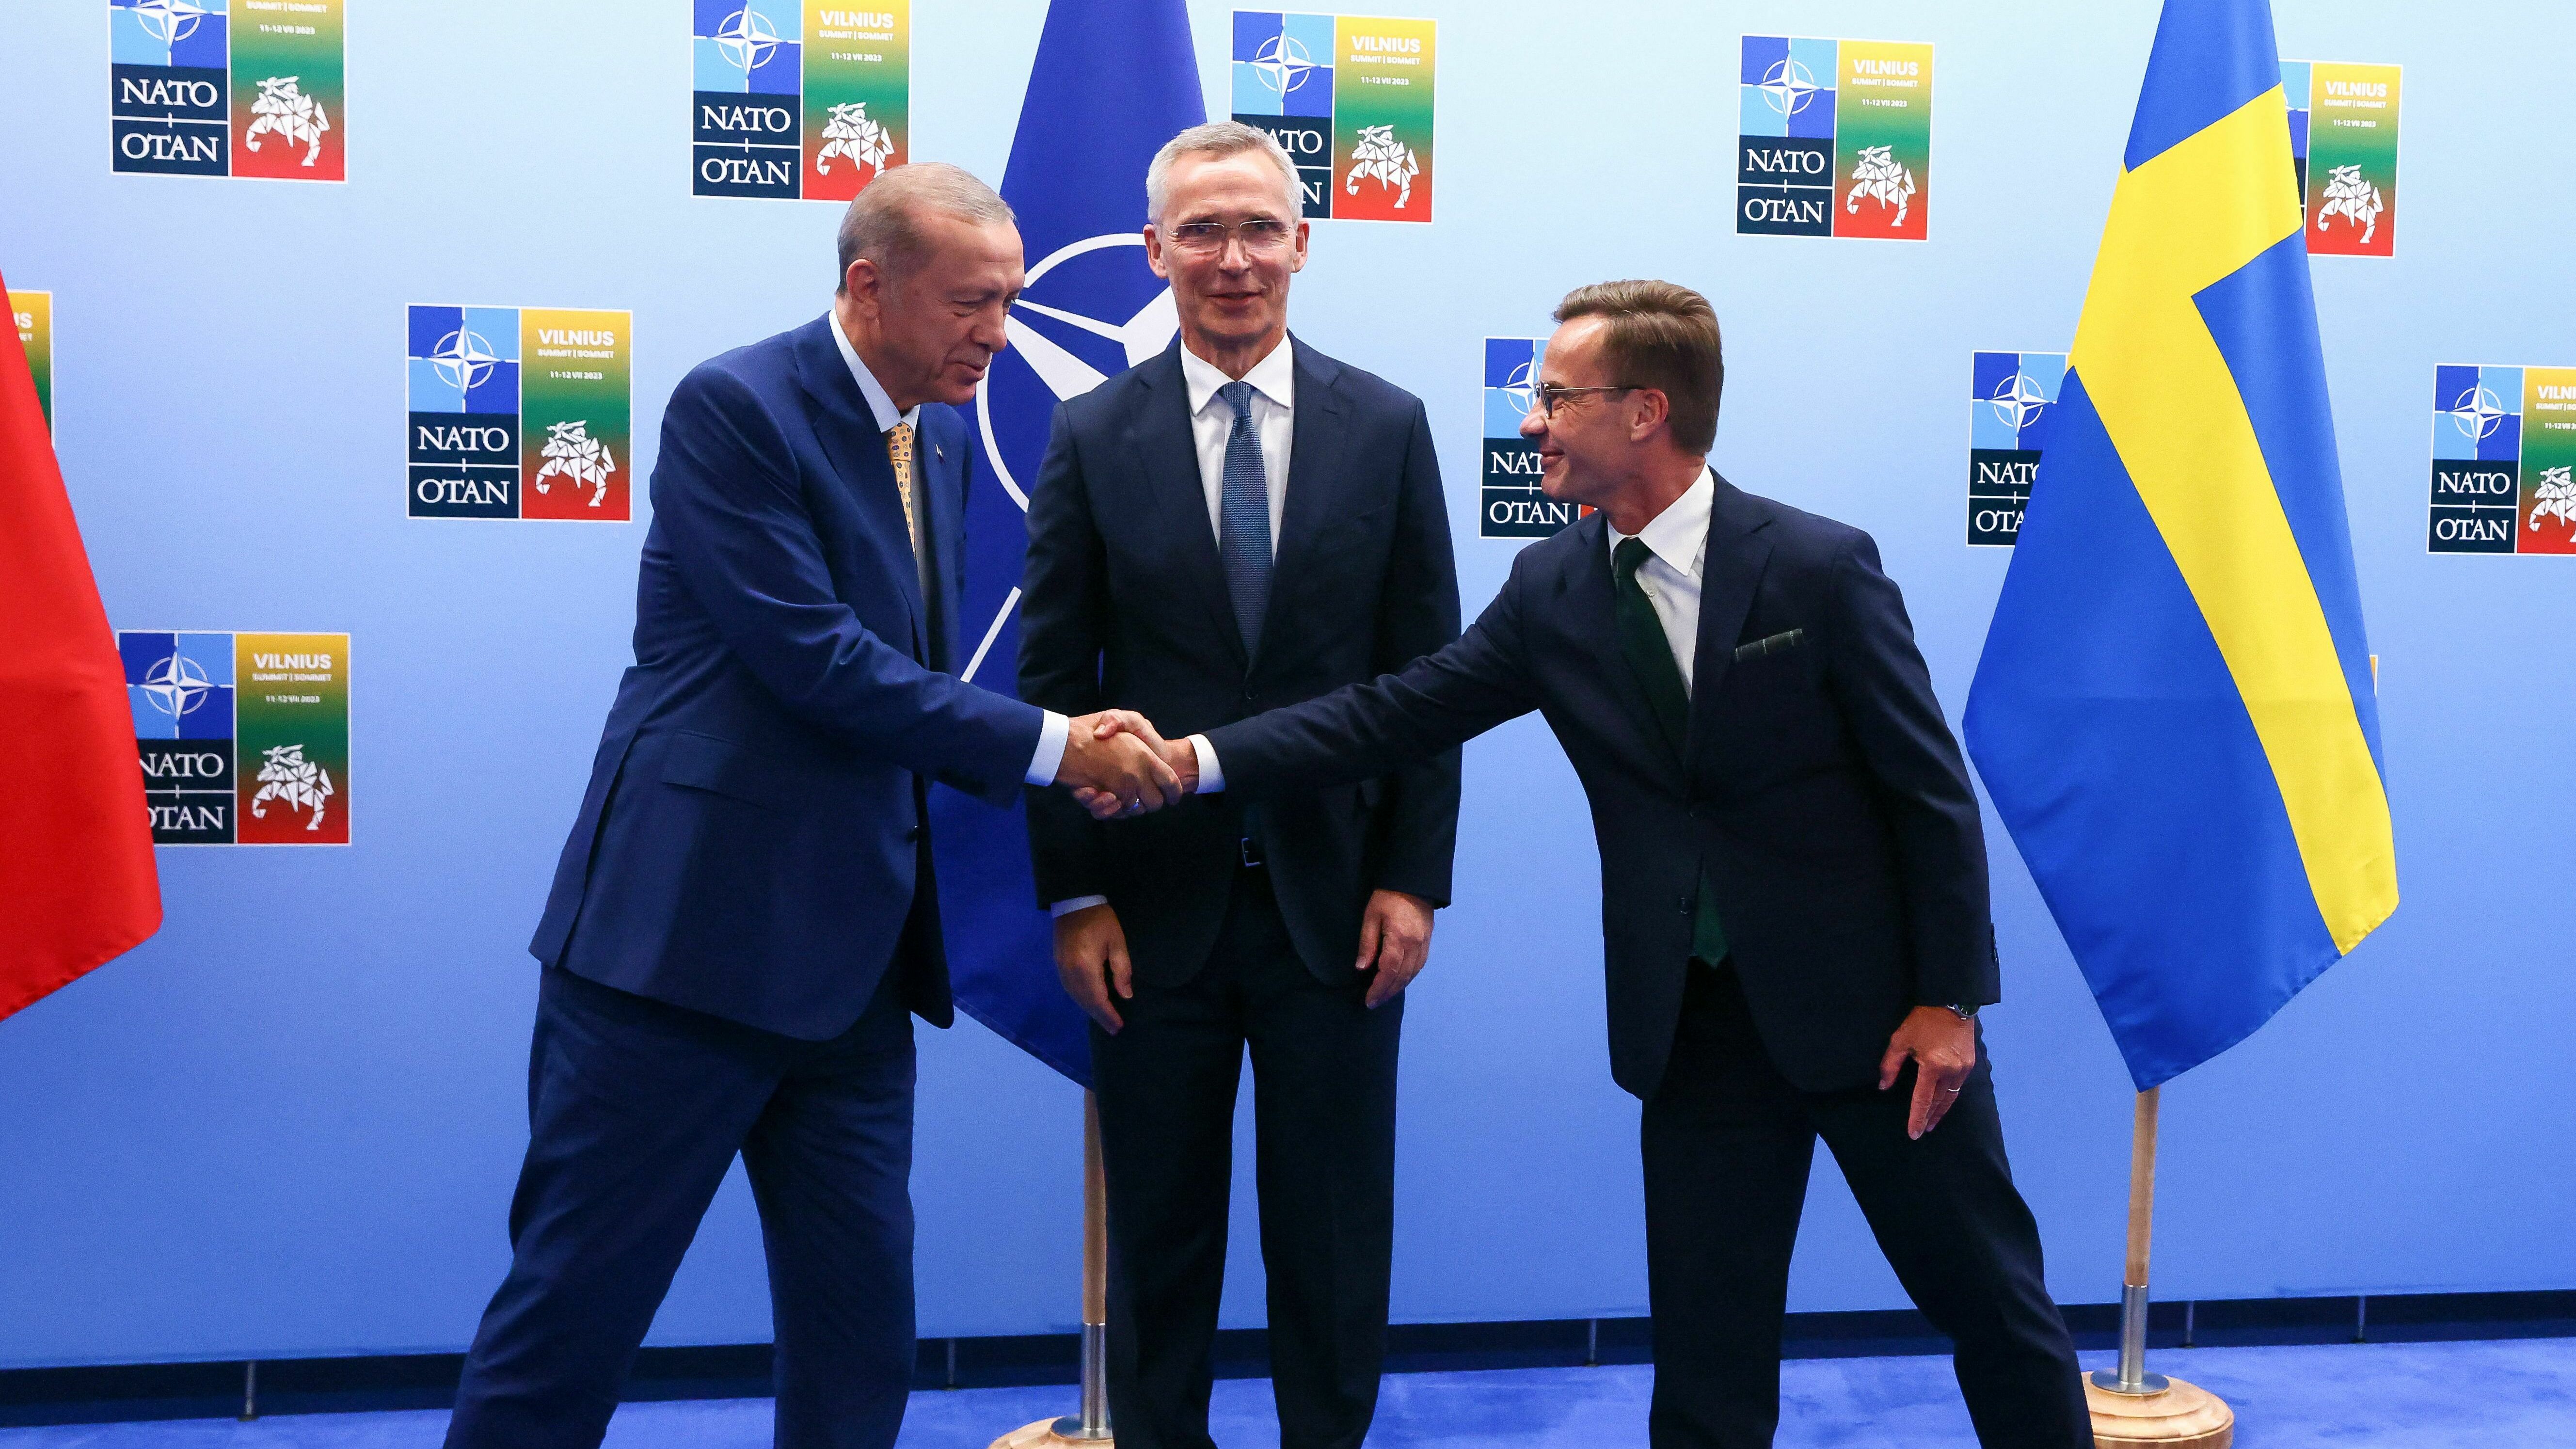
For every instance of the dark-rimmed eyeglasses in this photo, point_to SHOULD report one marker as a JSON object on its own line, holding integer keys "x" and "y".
{"x": 1260, "y": 234}
{"x": 1545, "y": 396}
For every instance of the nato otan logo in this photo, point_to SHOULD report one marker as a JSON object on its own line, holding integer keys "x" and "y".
{"x": 1512, "y": 505}
{"x": 2011, "y": 397}
{"x": 518, "y": 412}
{"x": 243, "y": 738}
{"x": 1835, "y": 138}
{"x": 227, "y": 88}
{"x": 1350, "y": 99}
{"x": 792, "y": 99}
{"x": 2504, "y": 448}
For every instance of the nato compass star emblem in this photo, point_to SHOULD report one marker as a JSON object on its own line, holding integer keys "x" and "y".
{"x": 168, "y": 20}
{"x": 746, "y": 40}
{"x": 1282, "y": 63}
{"x": 1788, "y": 86}
{"x": 2478, "y": 413}
{"x": 176, "y": 686}
{"x": 1521, "y": 385}
{"x": 463, "y": 359}
{"x": 2017, "y": 401}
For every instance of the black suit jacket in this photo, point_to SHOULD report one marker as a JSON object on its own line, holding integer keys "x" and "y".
{"x": 1126, "y": 607}
{"x": 1820, "y": 787}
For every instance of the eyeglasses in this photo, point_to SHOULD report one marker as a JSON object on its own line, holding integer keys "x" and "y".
{"x": 1259, "y": 235}
{"x": 1545, "y": 396}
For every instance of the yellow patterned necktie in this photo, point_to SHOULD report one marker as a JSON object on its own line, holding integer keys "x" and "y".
{"x": 899, "y": 452}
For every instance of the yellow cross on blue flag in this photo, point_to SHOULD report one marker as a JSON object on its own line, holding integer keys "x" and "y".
{"x": 2174, "y": 712}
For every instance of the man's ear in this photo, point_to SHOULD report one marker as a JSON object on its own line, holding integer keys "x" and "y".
{"x": 1651, "y": 409}
{"x": 865, "y": 286}
{"x": 1154, "y": 253}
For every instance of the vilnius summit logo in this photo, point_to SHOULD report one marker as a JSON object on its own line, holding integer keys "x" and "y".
{"x": 228, "y": 88}
{"x": 520, "y": 412}
{"x": 1835, "y": 138}
{"x": 796, "y": 98}
{"x": 1350, "y": 98}
{"x": 244, "y": 738}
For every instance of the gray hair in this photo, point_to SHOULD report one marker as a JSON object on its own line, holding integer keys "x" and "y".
{"x": 1220, "y": 138}
{"x": 883, "y": 223}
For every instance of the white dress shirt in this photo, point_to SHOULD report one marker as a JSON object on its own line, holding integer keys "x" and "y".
{"x": 1274, "y": 414}
{"x": 1274, "y": 405}
{"x": 1051, "y": 734}
{"x": 1677, "y": 549}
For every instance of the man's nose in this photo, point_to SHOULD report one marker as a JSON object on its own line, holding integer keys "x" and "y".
{"x": 1533, "y": 421}
{"x": 992, "y": 330}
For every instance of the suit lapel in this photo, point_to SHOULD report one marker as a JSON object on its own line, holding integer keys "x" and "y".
{"x": 1729, "y": 576}
{"x": 856, "y": 448}
{"x": 1591, "y": 612}
{"x": 1318, "y": 431}
{"x": 1171, "y": 460}
{"x": 943, "y": 467}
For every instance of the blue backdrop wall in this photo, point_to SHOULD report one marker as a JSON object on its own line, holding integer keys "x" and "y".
{"x": 289, "y": 1124}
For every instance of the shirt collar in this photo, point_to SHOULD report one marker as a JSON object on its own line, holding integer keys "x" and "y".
{"x": 1274, "y": 377}
{"x": 1679, "y": 534}
{"x": 880, "y": 403}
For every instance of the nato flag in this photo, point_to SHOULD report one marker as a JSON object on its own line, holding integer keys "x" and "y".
{"x": 1114, "y": 80}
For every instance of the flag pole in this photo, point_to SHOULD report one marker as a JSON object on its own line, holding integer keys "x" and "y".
{"x": 2130, "y": 1405}
{"x": 1090, "y": 1425}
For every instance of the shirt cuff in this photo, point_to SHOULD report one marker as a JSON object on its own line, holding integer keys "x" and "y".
{"x": 1211, "y": 776}
{"x": 1050, "y": 756}
{"x": 1078, "y": 903}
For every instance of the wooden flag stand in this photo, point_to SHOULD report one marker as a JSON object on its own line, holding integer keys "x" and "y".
{"x": 1090, "y": 1427}
{"x": 2132, "y": 1406}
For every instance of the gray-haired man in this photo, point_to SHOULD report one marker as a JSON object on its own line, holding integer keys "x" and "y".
{"x": 743, "y": 919}
{"x": 1241, "y": 523}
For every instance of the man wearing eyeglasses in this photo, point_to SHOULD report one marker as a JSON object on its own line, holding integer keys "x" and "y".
{"x": 1794, "y": 907}
{"x": 1238, "y": 524}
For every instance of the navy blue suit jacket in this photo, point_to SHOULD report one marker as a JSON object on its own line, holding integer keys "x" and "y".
{"x": 1127, "y": 607}
{"x": 1820, "y": 787}
{"x": 753, "y": 843}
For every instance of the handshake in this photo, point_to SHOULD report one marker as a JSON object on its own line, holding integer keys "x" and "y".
{"x": 1118, "y": 766}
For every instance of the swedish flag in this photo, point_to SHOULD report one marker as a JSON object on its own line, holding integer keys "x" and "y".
{"x": 2174, "y": 711}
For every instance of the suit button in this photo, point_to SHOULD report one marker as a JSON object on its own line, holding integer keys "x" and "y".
{"x": 1685, "y": 905}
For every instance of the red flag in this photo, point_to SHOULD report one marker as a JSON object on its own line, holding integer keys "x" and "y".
{"x": 78, "y": 885}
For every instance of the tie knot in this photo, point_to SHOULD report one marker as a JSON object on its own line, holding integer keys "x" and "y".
{"x": 1237, "y": 395}
{"x": 1629, "y": 557}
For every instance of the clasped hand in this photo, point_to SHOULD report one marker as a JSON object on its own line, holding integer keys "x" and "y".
{"x": 1118, "y": 766}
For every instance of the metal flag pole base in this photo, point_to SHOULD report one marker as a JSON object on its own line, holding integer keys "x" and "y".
{"x": 1090, "y": 1427}
{"x": 2131, "y": 1406}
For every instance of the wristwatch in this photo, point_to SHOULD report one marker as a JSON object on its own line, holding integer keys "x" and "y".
{"x": 1964, "y": 1013}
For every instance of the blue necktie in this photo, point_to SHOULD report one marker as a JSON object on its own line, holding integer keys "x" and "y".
{"x": 1243, "y": 518}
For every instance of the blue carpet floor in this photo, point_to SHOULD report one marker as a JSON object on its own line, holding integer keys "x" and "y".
{"x": 2501, "y": 1395}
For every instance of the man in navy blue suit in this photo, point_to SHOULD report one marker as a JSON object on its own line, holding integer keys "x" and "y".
{"x": 743, "y": 919}
{"x": 1239, "y": 523}
{"x": 1793, "y": 875}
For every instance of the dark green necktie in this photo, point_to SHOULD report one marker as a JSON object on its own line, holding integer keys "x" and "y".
{"x": 1650, "y": 654}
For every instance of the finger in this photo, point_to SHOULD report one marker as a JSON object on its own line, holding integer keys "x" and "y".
{"x": 1142, "y": 728}
{"x": 1105, "y": 806}
{"x": 1166, "y": 780}
{"x": 1108, "y": 722}
{"x": 1890, "y": 1063}
{"x": 1927, "y": 1085}
{"x": 1122, "y": 974}
{"x": 1372, "y": 927}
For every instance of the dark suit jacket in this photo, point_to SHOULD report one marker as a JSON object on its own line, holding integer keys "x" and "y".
{"x": 1822, "y": 790}
{"x": 1127, "y": 607}
{"x": 753, "y": 843}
